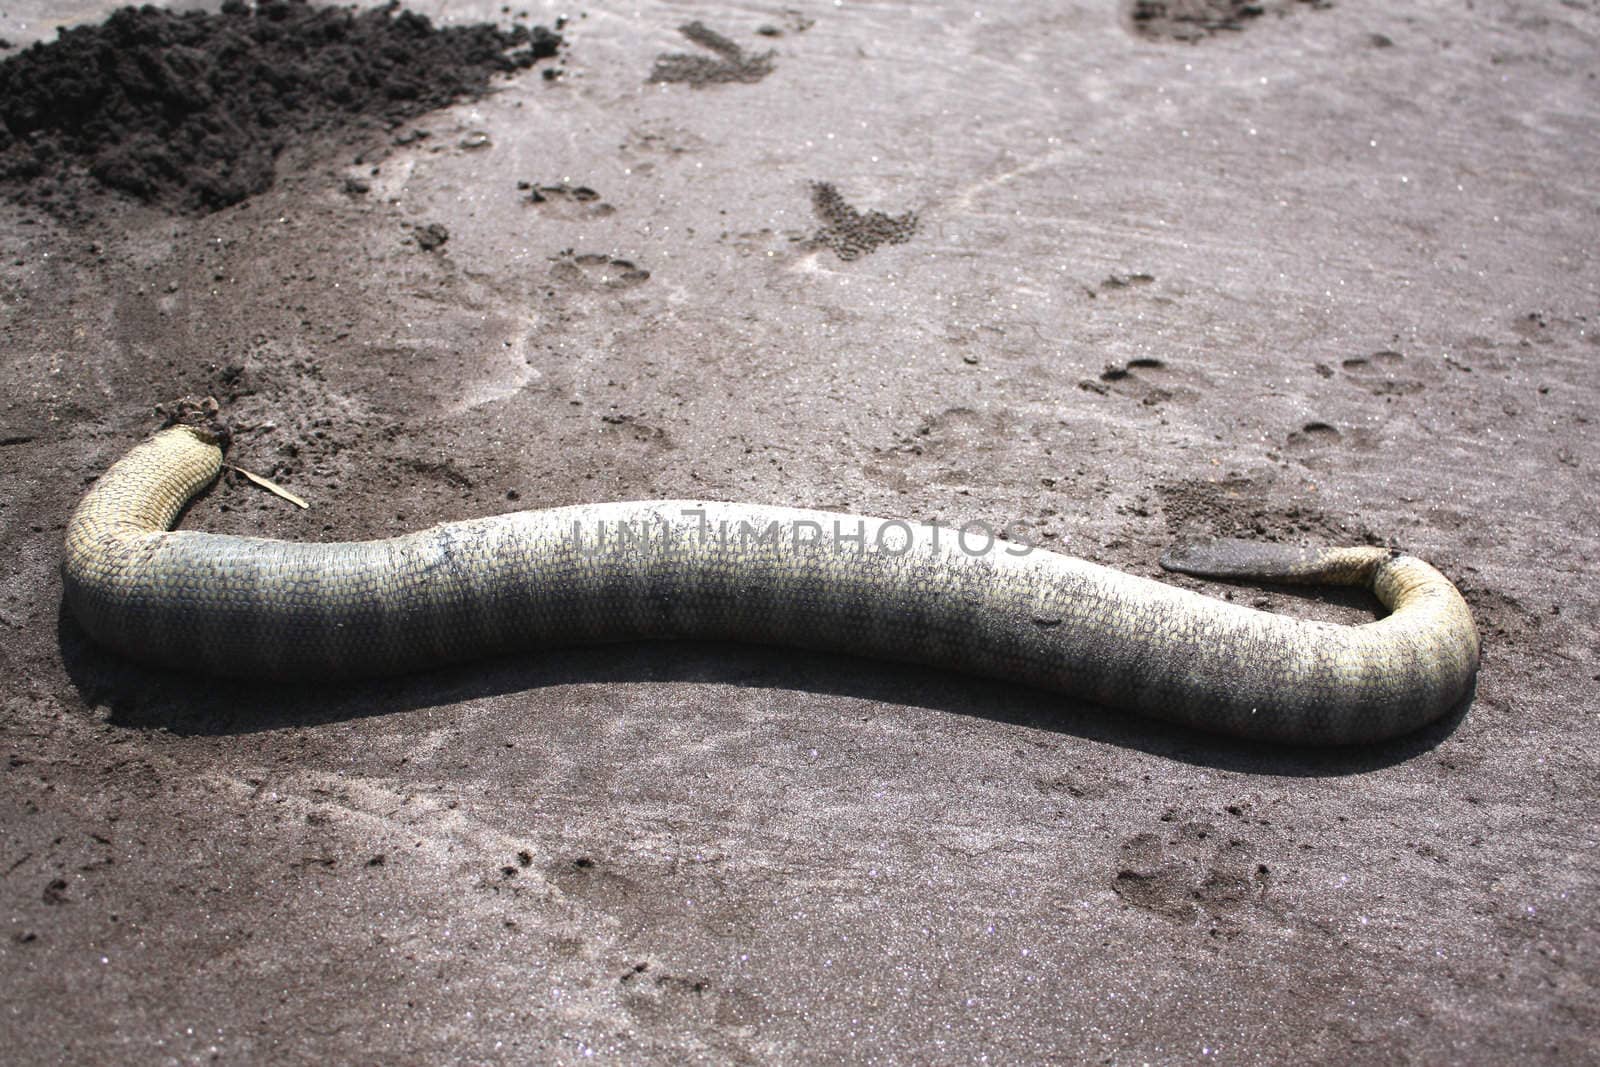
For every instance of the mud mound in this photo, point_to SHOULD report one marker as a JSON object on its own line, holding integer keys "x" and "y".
{"x": 190, "y": 110}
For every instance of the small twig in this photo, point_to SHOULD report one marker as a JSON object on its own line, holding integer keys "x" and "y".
{"x": 271, "y": 486}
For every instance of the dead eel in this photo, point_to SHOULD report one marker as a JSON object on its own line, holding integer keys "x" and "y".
{"x": 253, "y": 607}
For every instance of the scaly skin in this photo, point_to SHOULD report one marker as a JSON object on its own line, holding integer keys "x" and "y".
{"x": 253, "y": 607}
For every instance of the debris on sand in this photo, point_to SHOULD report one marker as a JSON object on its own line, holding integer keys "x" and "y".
{"x": 732, "y": 63}
{"x": 853, "y": 234}
{"x": 189, "y": 111}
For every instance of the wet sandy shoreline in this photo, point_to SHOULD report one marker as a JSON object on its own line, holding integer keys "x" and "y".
{"x": 1282, "y": 281}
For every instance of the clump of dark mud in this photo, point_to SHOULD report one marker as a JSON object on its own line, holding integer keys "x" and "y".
{"x": 1190, "y": 20}
{"x": 727, "y": 62}
{"x": 1193, "y": 20}
{"x": 189, "y": 111}
{"x": 851, "y": 233}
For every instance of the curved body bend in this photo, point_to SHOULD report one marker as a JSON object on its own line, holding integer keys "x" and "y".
{"x": 254, "y": 607}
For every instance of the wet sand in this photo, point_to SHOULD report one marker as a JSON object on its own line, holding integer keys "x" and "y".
{"x": 1323, "y": 274}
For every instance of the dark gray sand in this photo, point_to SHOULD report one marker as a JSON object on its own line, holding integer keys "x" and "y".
{"x": 1326, "y": 273}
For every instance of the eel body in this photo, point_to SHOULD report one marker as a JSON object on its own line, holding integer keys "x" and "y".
{"x": 259, "y": 608}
